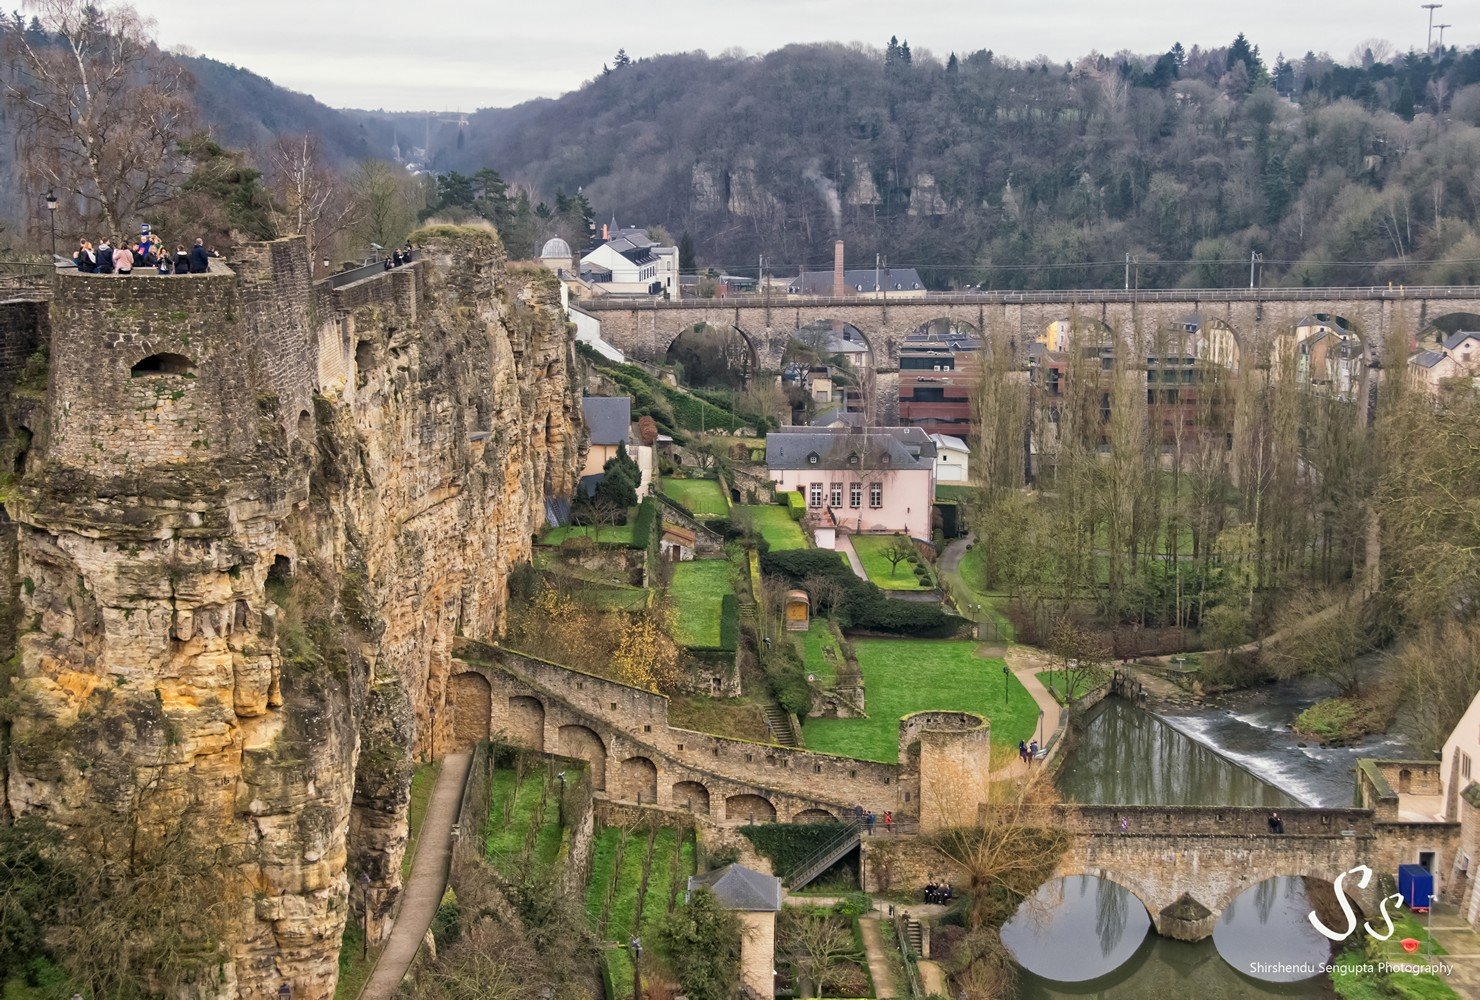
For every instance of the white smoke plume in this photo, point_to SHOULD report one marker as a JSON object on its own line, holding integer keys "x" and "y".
{"x": 829, "y": 192}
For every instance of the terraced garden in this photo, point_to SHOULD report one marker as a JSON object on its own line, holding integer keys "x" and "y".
{"x": 524, "y": 818}
{"x": 871, "y": 549}
{"x": 703, "y": 497}
{"x": 776, "y": 525}
{"x": 699, "y": 591}
{"x": 913, "y": 675}
{"x": 637, "y": 877}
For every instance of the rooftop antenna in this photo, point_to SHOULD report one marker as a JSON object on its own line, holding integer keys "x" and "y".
{"x": 1431, "y": 7}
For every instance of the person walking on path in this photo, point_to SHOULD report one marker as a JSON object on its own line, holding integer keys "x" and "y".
{"x": 1022, "y": 751}
{"x": 1032, "y": 751}
{"x": 858, "y": 813}
{"x": 888, "y": 820}
{"x": 868, "y": 822}
{"x": 200, "y": 261}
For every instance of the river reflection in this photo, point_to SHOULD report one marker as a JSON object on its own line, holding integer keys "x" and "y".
{"x": 1126, "y": 756}
{"x": 1086, "y": 937}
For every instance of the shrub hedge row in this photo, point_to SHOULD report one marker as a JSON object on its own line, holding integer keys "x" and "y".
{"x": 729, "y": 623}
{"x": 864, "y": 605}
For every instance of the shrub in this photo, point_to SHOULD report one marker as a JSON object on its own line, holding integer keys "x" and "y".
{"x": 796, "y": 504}
{"x": 864, "y": 605}
{"x": 646, "y": 524}
{"x": 855, "y": 904}
{"x": 729, "y": 623}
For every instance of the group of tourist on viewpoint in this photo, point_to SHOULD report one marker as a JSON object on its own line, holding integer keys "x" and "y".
{"x": 148, "y": 253}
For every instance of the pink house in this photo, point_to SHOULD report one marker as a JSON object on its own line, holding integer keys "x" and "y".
{"x": 871, "y": 479}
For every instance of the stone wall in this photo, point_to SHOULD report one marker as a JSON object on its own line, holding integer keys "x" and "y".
{"x": 161, "y": 680}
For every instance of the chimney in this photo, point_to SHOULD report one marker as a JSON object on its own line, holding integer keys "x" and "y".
{"x": 839, "y": 288}
{"x": 605, "y": 233}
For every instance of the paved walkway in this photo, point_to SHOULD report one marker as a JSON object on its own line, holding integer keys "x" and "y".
{"x": 878, "y": 962}
{"x": 1025, "y": 663}
{"x": 428, "y": 881}
{"x": 1462, "y": 944}
{"x": 932, "y": 977}
{"x": 845, "y": 545}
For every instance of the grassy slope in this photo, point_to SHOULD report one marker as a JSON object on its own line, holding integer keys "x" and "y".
{"x": 741, "y": 718}
{"x": 701, "y": 496}
{"x": 422, "y": 783}
{"x": 606, "y": 534}
{"x": 812, "y": 644}
{"x": 697, "y": 589}
{"x": 972, "y": 574}
{"x": 912, "y": 675}
{"x": 776, "y": 526}
{"x": 870, "y": 549}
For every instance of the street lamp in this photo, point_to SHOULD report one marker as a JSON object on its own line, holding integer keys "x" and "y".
{"x": 51, "y": 210}
{"x": 433, "y": 710}
{"x": 365, "y": 914}
{"x": 636, "y": 945}
{"x": 1040, "y": 729}
{"x": 1005, "y": 675}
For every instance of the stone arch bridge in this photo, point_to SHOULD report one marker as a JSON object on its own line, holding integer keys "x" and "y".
{"x": 644, "y": 329}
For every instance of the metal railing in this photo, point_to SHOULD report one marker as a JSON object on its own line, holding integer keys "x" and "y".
{"x": 825, "y": 856}
{"x": 907, "y": 953}
{"x": 1068, "y": 296}
{"x": 349, "y": 277}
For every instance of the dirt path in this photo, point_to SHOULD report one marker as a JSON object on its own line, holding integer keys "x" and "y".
{"x": 428, "y": 881}
{"x": 932, "y": 977}
{"x": 878, "y": 961}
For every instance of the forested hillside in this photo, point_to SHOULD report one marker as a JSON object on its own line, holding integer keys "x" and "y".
{"x": 984, "y": 169}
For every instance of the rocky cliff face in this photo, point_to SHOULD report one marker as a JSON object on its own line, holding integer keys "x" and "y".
{"x": 253, "y": 516}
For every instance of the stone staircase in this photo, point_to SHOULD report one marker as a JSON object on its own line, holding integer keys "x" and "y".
{"x": 779, "y": 723}
{"x": 914, "y": 935}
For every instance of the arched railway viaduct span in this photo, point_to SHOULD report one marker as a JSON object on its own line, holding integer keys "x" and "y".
{"x": 645, "y": 329}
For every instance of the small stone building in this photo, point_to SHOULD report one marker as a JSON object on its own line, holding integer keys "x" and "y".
{"x": 798, "y": 611}
{"x": 755, "y": 899}
{"x": 678, "y": 543}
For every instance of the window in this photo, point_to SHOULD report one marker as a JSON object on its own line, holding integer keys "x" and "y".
{"x": 162, "y": 364}
{"x": 876, "y": 495}
{"x": 835, "y": 495}
{"x": 1464, "y": 764}
{"x": 814, "y": 495}
{"x": 855, "y": 495}
{"x": 812, "y": 458}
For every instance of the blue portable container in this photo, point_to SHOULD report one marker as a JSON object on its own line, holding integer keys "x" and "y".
{"x": 1416, "y": 886}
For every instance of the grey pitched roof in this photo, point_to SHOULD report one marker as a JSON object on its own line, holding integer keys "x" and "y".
{"x": 1459, "y": 337}
{"x": 740, "y": 888}
{"x": 903, "y": 279}
{"x": 906, "y": 448}
{"x": 608, "y": 418}
{"x": 1426, "y": 359}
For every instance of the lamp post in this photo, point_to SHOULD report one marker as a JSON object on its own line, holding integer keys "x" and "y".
{"x": 365, "y": 914}
{"x": 560, "y": 804}
{"x": 1040, "y": 729}
{"x": 433, "y": 711}
{"x": 51, "y": 211}
{"x": 1005, "y": 675}
{"x": 636, "y": 945}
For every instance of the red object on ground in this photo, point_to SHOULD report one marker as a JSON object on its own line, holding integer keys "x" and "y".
{"x": 1409, "y": 944}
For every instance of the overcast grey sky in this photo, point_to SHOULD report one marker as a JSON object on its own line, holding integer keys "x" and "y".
{"x": 440, "y": 54}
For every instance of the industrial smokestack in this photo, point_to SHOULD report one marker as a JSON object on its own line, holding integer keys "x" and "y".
{"x": 839, "y": 286}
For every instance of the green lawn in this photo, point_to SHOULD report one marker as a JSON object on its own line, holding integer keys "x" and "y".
{"x": 956, "y": 491}
{"x": 913, "y": 675}
{"x": 972, "y": 575}
{"x": 1352, "y": 982}
{"x": 870, "y": 549}
{"x": 776, "y": 526}
{"x": 506, "y": 840}
{"x": 820, "y": 652}
{"x": 702, "y": 497}
{"x": 698, "y": 588}
{"x": 606, "y": 534}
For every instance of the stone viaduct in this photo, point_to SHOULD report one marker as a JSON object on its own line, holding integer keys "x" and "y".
{"x": 622, "y": 733}
{"x": 644, "y": 329}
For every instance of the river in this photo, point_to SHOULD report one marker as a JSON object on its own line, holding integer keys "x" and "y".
{"x": 1086, "y": 937}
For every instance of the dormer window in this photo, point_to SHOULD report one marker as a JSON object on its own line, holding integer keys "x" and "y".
{"x": 812, "y": 458}
{"x": 853, "y": 458}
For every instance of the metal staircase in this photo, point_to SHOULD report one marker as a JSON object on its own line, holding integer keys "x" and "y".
{"x": 825, "y": 856}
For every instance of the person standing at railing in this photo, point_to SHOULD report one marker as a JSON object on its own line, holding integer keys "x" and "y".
{"x": 105, "y": 256}
{"x": 200, "y": 261}
{"x": 85, "y": 258}
{"x": 182, "y": 260}
{"x": 123, "y": 260}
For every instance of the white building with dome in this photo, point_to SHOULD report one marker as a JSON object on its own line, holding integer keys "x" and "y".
{"x": 556, "y": 256}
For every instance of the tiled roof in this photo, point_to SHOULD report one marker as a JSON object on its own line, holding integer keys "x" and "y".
{"x": 901, "y": 279}
{"x": 1426, "y": 359}
{"x": 608, "y": 418}
{"x": 740, "y": 888}
{"x": 905, "y": 448}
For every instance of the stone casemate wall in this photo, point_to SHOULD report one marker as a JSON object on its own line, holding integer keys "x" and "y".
{"x": 255, "y": 516}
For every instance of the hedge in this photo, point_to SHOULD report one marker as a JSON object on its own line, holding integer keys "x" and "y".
{"x": 647, "y": 522}
{"x": 787, "y": 845}
{"x": 729, "y": 623}
{"x": 796, "y": 504}
{"x": 864, "y": 605}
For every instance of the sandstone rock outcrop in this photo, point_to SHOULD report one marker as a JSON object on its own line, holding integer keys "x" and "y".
{"x": 253, "y": 514}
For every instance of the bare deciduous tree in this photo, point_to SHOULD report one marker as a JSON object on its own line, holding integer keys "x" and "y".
{"x": 101, "y": 111}
{"x": 309, "y": 199}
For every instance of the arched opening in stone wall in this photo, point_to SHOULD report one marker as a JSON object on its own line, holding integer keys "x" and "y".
{"x": 1269, "y": 918}
{"x": 691, "y": 795}
{"x": 637, "y": 780}
{"x": 162, "y": 364}
{"x": 279, "y": 575}
{"x": 305, "y": 425}
{"x": 714, "y": 357}
{"x": 1444, "y": 326}
{"x": 472, "y": 708}
{"x": 583, "y": 743}
{"x": 527, "y": 722}
{"x": 22, "y": 450}
{"x": 827, "y": 367}
{"x": 814, "y": 816}
{"x": 364, "y": 360}
{"x": 750, "y": 809}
